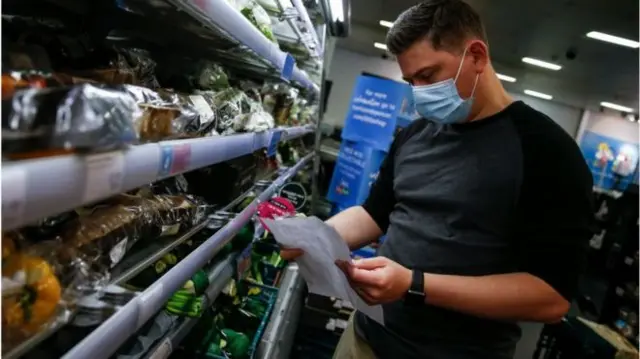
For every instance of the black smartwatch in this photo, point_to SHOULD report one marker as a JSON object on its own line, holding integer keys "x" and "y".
{"x": 415, "y": 295}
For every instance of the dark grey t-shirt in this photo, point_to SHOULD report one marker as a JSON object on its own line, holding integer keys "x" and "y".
{"x": 509, "y": 193}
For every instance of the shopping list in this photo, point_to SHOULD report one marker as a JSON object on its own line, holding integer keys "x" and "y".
{"x": 322, "y": 246}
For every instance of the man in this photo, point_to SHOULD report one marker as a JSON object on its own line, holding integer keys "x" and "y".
{"x": 486, "y": 203}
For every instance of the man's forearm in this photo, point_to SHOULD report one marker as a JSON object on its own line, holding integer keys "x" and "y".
{"x": 355, "y": 226}
{"x": 515, "y": 296}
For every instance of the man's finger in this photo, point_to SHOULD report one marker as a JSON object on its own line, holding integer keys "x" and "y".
{"x": 289, "y": 254}
{"x": 364, "y": 277}
{"x": 365, "y": 296}
{"x": 370, "y": 263}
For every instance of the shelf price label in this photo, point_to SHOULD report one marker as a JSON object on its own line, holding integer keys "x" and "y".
{"x": 14, "y": 194}
{"x": 104, "y": 175}
{"x": 273, "y": 143}
{"x": 243, "y": 262}
{"x": 174, "y": 158}
{"x": 287, "y": 68}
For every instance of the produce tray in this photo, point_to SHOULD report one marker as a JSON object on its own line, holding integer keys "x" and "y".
{"x": 268, "y": 295}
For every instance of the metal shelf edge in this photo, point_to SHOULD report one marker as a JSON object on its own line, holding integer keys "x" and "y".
{"x": 233, "y": 22}
{"x": 35, "y": 189}
{"x": 109, "y": 336}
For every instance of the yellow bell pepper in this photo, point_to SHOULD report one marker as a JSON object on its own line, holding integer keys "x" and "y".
{"x": 36, "y": 303}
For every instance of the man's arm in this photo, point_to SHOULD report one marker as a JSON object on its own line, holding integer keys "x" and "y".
{"x": 355, "y": 226}
{"x": 513, "y": 296}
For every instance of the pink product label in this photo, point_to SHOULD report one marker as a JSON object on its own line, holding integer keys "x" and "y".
{"x": 181, "y": 158}
{"x": 274, "y": 208}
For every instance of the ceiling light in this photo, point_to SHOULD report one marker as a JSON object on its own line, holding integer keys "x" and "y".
{"x": 613, "y": 39}
{"x": 337, "y": 10}
{"x": 506, "y": 78}
{"x": 538, "y": 94}
{"x": 386, "y": 23}
{"x": 380, "y": 46}
{"x": 613, "y": 106}
{"x": 540, "y": 63}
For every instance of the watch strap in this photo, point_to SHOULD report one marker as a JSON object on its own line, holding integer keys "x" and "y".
{"x": 415, "y": 295}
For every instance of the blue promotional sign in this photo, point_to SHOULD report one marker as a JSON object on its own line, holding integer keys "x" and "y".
{"x": 356, "y": 169}
{"x": 613, "y": 163}
{"x": 375, "y": 104}
{"x": 287, "y": 68}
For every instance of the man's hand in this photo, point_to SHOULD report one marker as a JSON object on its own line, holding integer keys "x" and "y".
{"x": 377, "y": 280}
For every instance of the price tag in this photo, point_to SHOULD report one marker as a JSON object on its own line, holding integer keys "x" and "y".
{"x": 149, "y": 302}
{"x": 295, "y": 193}
{"x": 117, "y": 252}
{"x": 104, "y": 175}
{"x": 14, "y": 194}
{"x": 287, "y": 68}
{"x": 244, "y": 261}
{"x": 273, "y": 143}
{"x": 163, "y": 350}
{"x": 174, "y": 158}
{"x": 203, "y": 108}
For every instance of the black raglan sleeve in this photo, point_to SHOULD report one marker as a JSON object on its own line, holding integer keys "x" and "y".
{"x": 381, "y": 199}
{"x": 555, "y": 208}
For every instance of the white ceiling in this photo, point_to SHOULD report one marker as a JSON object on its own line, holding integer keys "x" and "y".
{"x": 544, "y": 29}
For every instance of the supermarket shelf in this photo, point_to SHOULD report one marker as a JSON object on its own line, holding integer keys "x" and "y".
{"x": 304, "y": 15}
{"x": 220, "y": 14}
{"x": 34, "y": 189}
{"x": 131, "y": 266}
{"x": 219, "y": 276}
{"x": 277, "y": 339}
{"x": 107, "y": 338}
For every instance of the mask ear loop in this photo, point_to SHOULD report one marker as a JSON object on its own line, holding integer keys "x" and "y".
{"x": 464, "y": 53}
{"x": 475, "y": 83}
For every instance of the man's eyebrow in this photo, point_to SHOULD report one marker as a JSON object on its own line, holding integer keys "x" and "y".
{"x": 418, "y": 72}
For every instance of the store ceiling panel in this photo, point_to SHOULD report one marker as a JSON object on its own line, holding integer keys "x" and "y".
{"x": 552, "y": 30}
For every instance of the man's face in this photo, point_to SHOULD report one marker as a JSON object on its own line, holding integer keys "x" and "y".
{"x": 421, "y": 64}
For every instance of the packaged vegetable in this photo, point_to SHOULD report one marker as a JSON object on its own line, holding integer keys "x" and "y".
{"x": 36, "y": 300}
{"x": 85, "y": 118}
{"x": 258, "y": 16}
{"x": 109, "y": 230}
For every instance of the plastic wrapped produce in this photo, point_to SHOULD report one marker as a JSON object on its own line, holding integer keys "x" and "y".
{"x": 143, "y": 67}
{"x": 30, "y": 296}
{"x": 253, "y": 122}
{"x": 35, "y": 292}
{"x": 211, "y": 76}
{"x": 107, "y": 231}
{"x": 278, "y": 99}
{"x": 85, "y": 118}
{"x": 230, "y": 104}
{"x": 258, "y": 16}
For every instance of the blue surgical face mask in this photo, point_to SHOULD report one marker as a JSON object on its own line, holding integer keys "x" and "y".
{"x": 441, "y": 103}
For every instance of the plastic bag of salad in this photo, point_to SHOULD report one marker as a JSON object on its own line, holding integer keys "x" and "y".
{"x": 258, "y": 16}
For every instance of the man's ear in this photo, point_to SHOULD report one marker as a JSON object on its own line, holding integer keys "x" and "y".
{"x": 480, "y": 54}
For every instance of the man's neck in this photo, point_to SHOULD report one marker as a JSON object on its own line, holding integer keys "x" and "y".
{"x": 493, "y": 96}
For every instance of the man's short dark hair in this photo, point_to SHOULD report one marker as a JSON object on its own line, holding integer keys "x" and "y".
{"x": 445, "y": 23}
